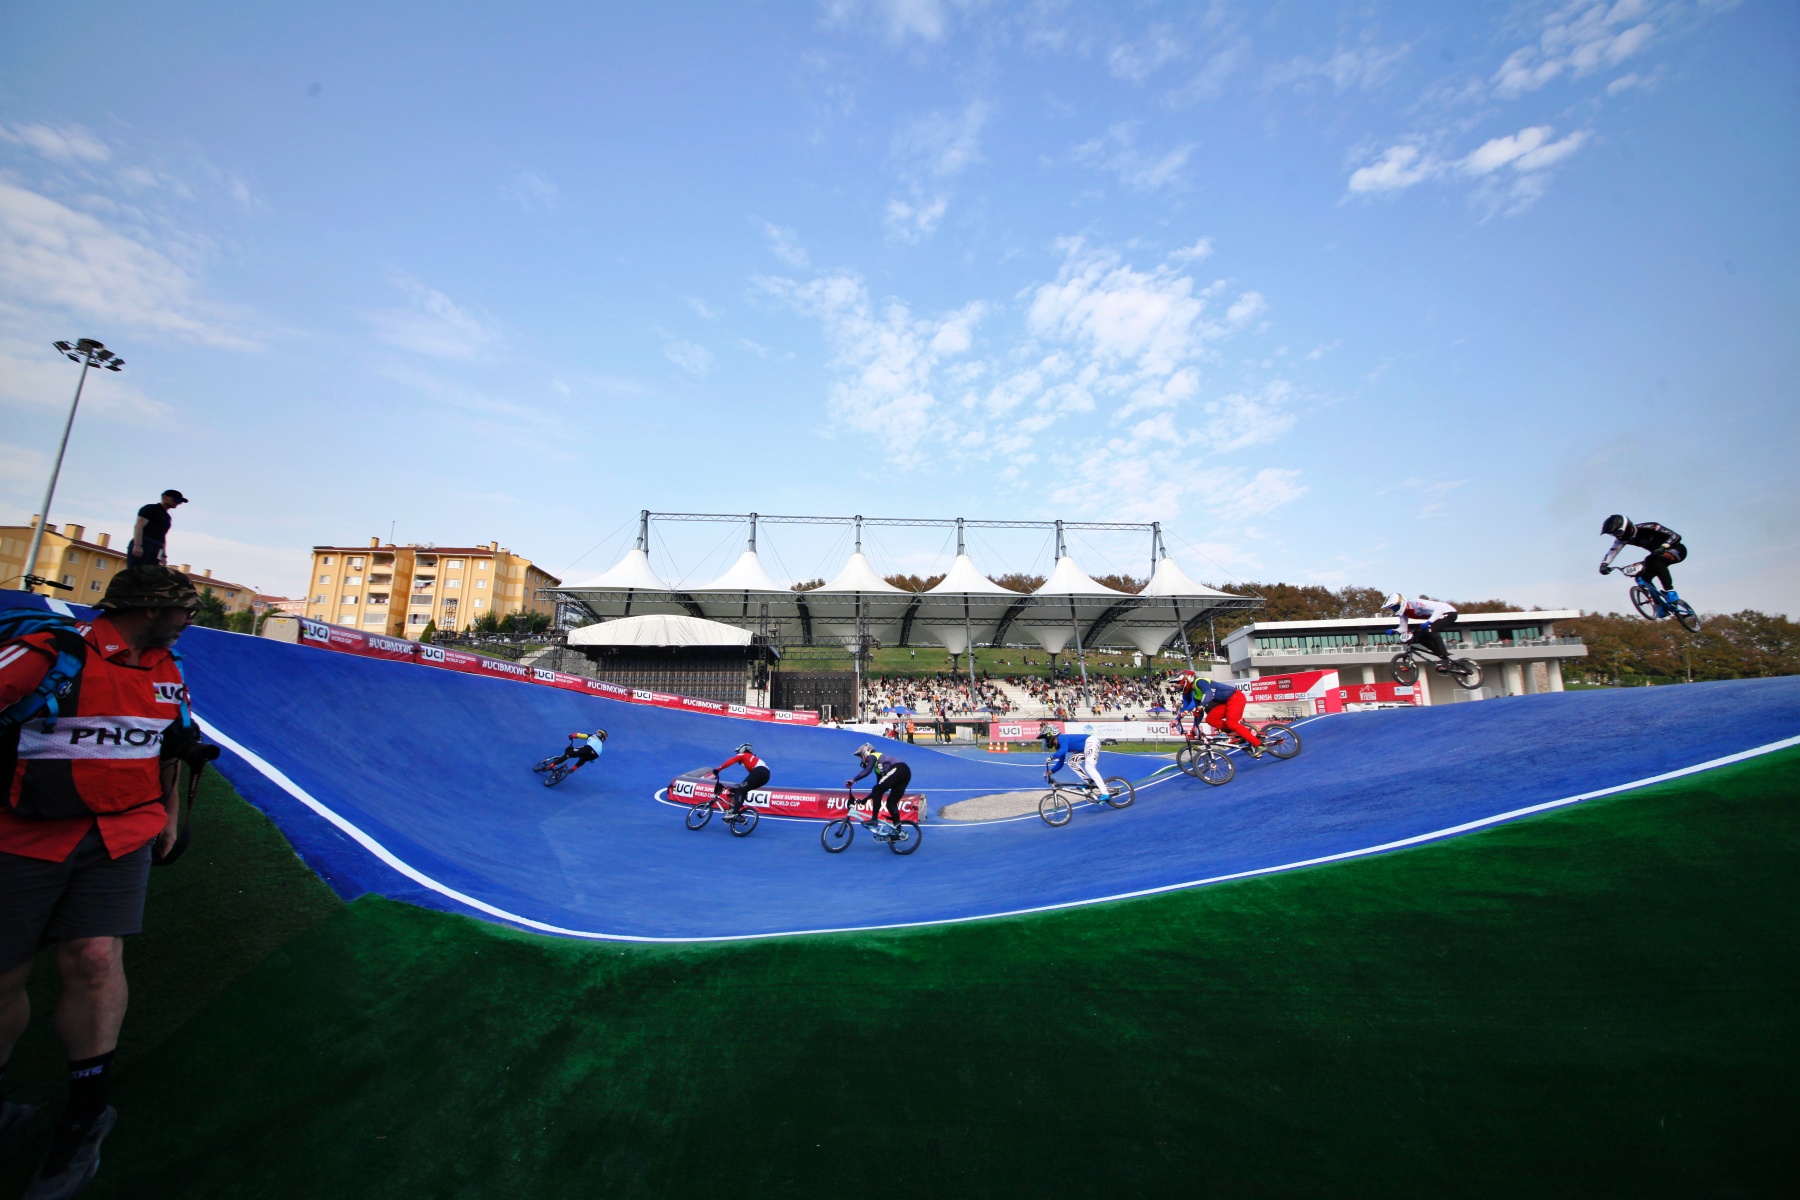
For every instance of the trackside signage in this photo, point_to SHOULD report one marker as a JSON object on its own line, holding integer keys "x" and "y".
{"x": 448, "y": 658}
{"x": 698, "y": 786}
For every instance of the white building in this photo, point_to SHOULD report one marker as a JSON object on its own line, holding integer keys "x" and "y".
{"x": 1520, "y": 652}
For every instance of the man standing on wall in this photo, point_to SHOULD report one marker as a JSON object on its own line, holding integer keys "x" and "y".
{"x": 149, "y": 539}
{"x": 90, "y": 775}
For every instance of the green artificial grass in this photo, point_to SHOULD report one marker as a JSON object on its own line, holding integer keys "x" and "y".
{"x": 1596, "y": 1002}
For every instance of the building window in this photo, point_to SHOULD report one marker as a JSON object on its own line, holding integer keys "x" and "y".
{"x": 378, "y": 597}
{"x": 324, "y": 579}
{"x": 355, "y": 564}
{"x": 325, "y": 561}
{"x": 99, "y": 564}
{"x": 349, "y": 599}
{"x": 455, "y": 564}
{"x": 93, "y": 585}
{"x": 480, "y": 603}
{"x": 417, "y": 619}
{"x": 452, "y": 583}
{"x": 481, "y": 583}
{"x": 318, "y": 599}
{"x": 74, "y": 556}
{"x": 353, "y": 581}
{"x": 481, "y": 565}
{"x": 69, "y": 579}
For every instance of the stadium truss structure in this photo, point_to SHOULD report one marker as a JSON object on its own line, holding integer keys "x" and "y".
{"x": 858, "y": 607}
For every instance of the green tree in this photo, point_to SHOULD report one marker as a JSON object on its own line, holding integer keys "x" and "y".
{"x": 211, "y": 612}
{"x": 430, "y": 630}
{"x": 487, "y": 623}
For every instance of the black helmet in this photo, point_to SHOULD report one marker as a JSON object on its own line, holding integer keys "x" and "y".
{"x": 1616, "y": 526}
{"x": 601, "y": 734}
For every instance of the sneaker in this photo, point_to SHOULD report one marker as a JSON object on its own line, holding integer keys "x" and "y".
{"x": 81, "y": 1167}
{"x": 13, "y": 1118}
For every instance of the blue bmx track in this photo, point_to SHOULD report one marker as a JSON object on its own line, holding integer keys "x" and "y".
{"x": 415, "y": 783}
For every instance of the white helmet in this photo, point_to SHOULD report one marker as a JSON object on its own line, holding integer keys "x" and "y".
{"x": 1394, "y": 603}
{"x": 864, "y": 750}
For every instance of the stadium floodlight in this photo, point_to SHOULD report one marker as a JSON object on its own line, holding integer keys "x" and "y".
{"x": 89, "y": 353}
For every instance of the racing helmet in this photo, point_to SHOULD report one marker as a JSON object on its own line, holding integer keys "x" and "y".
{"x": 1616, "y": 526}
{"x": 864, "y": 750}
{"x": 744, "y": 749}
{"x": 1394, "y": 603}
{"x": 601, "y": 734}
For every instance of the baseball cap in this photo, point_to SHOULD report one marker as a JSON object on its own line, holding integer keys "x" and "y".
{"x": 150, "y": 586}
{"x": 179, "y": 498}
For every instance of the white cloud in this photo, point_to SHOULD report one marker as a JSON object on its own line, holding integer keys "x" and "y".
{"x": 1118, "y": 152}
{"x": 1318, "y": 352}
{"x": 784, "y": 244}
{"x": 1197, "y": 252}
{"x": 1137, "y": 61}
{"x": 1577, "y": 40}
{"x": 943, "y": 144}
{"x": 52, "y": 255}
{"x": 532, "y": 192}
{"x": 689, "y": 356}
{"x": 34, "y": 376}
{"x": 1364, "y": 67}
{"x": 701, "y": 307}
{"x": 1399, "y": 167}
{"x": 1209, "y": 81}
{"x": 912, "y": 220}
{"x": 923, "y": 19}
{"x": 65, "y": 143}
{"x": 434, "y": 325}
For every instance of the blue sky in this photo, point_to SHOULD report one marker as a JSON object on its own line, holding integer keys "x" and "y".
{"x": 1409, "y": 296}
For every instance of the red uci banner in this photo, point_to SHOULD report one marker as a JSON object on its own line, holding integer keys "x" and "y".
{"x": 787, "y": 802}
{"x": 375, "y": 645}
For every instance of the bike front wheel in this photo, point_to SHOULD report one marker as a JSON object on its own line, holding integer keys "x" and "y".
{"x": 1280, "y": 741}
{"x": 907, "y": 838}
{"x": 549, "y": 764}
{"x": 1684, "y": 613}
{"x": 557, "y": 775}
{"x": 1215, "y": 768}
{"x": 1465, "y": 672}
{"x": 1644, "y": 600}
{"x": 837, "y": 835}
{"x": 699, "y": 815}
{"x": 742, "y": 823}
{"x": 1119, "y": 792}
{"x": 1404, "y": 670}
{"x": 1188, "y": 759}
{"x": 1055, "y": 809}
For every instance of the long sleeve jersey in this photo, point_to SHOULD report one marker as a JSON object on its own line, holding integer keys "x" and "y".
{"x": 1646, "y": 536}
{"x": 1068, "y": 744}
{"x": 1426, "y": 612}
{"x": 746, "y": 760}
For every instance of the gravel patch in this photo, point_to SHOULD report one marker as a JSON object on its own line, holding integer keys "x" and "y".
{"x": 994, "y": 807}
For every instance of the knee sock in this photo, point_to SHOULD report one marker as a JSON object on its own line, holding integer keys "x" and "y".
{"x": 88, "y": 1080}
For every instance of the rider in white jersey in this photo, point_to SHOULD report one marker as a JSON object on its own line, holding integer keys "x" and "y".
{"x": 1431, "y": 615}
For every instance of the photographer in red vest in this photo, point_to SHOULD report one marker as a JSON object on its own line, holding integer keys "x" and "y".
{"x": 90, "y": 787}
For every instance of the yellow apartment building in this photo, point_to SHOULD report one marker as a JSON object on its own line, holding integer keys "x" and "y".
{"x": 397, "y": 590}
{"x": 67, "y": 556}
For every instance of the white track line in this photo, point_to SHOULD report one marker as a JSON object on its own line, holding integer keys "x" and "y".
{"x": 275, "y": 776}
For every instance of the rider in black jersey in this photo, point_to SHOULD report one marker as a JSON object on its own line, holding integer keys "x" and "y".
{"x": 891, "y": 778}
{"x": 1663, "y": 543}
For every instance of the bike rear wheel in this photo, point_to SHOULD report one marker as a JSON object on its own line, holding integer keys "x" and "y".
{"x": 1055, "y": 809}
{"x": 1466, "y": 672}
{"x": 1119, "y": 792}
{"x": 1404, "y": 670}
{"x": 1279, "y": 740}
{"x": 741, "y": 823}
{"x": 699, "y": 814}
{"x": 1644, "y": 600}
{"x": 1684, "y": 613}
{"x": 837, "y": 835}
{"x": 557, "y": 775}
{"x": 907, "y": 838}
{"x": 547, "y": 765}
{"x": 1216, "y": 767}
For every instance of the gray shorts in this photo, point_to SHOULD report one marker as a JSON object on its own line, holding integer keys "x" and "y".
{"x": 88, "y": 894}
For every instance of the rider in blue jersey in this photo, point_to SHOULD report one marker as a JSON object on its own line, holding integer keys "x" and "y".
{"x": 1080, "y": 752}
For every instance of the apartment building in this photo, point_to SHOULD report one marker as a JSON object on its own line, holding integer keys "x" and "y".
{"x": 86, "y": 567}
{"x": 398, "y": 590}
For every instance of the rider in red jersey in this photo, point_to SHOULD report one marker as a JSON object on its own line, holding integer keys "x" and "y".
{"x": 756, "y": 774}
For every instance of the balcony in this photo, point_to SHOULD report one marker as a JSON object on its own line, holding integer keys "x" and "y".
{"x": 1322, "y": 657}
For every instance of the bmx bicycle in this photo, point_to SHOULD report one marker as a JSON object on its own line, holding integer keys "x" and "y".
{"x": 740, "y": 820}
{"x": 1057, "y": 806}
{"x": 837, "y": 835}
{"x": 1653, "y": 604}
{"x": 1207, "y": 754}
{"x": 1404, "y": 667}
{"x": 556, "y": 769}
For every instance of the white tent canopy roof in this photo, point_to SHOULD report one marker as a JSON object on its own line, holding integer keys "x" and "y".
{"x": 1171, "y": 580}
{"x": 632, "y": 571}
{"x": 746, "y": 575}
{"x": 965, "y": 578}
{"x": 1070, "y": 580}
{"x": 661, "y": 629}
{"x": 858, "y": 576}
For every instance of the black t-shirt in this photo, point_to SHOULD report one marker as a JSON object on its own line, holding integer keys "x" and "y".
{"x": 156, "y": 528}
{"x": 1653, "y": 537}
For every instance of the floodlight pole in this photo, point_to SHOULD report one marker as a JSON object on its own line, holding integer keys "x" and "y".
{"x": 88, "y": 353}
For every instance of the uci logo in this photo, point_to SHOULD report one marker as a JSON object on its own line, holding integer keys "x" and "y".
{"x": 431, "y": 653}
{"x": 315, "y": 631}
{"x": 171, "y": 693}
{"x": 683, "y": 788}
{"x": 543, "y": 675}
